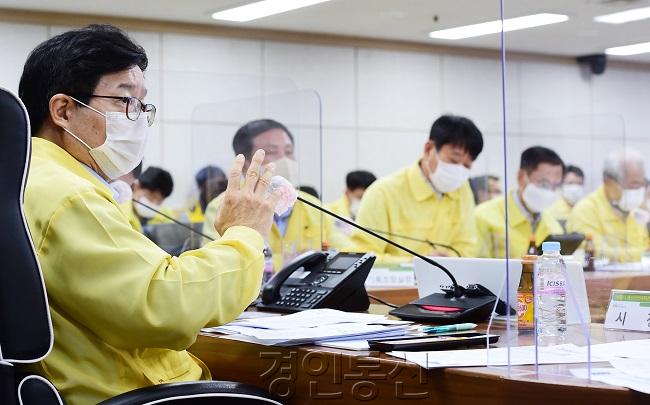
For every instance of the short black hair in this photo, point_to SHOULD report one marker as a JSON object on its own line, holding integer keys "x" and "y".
{"x": 72, "y": 63}
{"x": 309, "y": 190}
{"x": 575, "y": 170}
{"x": 157, "y": 179}
{"x": 359, "y": 179}
{"x": 534, "y": 156}
{"x": 457, "y": 131}
{"x": 207, "y": 173}
{"x": 243, "y": 140}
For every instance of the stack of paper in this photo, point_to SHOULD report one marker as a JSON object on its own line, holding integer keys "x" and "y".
{"x": 630, "y": 361}
{"x": 316, "y": 325}
{"x": 521, "y": 355}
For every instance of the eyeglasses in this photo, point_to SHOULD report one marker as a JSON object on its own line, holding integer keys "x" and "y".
{"x": 133, "y": 107}
{"x": 547, "y": 185}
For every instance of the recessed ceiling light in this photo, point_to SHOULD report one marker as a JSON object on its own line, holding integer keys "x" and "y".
{"x": 626, "y": 50}
{"x": 262, "y": 9}
{"x": 492, "y": 27}
{"x": 625, "y": 16}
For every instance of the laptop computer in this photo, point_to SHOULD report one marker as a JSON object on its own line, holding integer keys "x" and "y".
{"x": 490, "y": 273}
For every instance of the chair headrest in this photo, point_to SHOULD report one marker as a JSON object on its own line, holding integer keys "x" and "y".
{"x": 25, "y": 325}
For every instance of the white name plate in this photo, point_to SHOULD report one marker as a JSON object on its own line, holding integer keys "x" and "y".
{"x": 629, "y": 310}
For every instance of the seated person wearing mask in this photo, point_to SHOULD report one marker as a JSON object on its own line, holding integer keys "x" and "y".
{"x": 573, "y": 189}
{"x": 211, "y": 181}
{"x": 152, "y": 188}
{"x": 539, "y": 179}
{"x": 348, "y": 205}
{"x": 429, "y": 200}
{"x": 605, "y": 213}
{"x": 485, "y": 188}
{"x": 299, "y": 229}
{"x": 123, "y": 311}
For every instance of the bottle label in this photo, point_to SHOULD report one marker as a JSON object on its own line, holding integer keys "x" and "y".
{"x": 525, "y": 313}
{"x": 549, "y": 287}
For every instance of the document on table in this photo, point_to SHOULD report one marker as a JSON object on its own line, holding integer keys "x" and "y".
{"x": 312, "y": 326}
{"x": 614, "y": 376}
{"x": 635, "y": 349}
{"x": 521, "y": 355}
{"x": 359, "y": 344}
{"x": 315, "y": 318}
{"x": 291, "y": 337}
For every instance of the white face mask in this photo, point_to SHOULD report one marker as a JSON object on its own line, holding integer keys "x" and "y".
{"x": 123, "y": 148}
{"x": 573, "y": 192}
{"x": 631, "y": 199}
{"x": 288, "y": 168}
{"x": 123, "y": 190}
{"x": 354, "y": 207}
{"x": 448, "y": 176}
{"x": 537, "y": 198}
{"x": 143, "y": 211}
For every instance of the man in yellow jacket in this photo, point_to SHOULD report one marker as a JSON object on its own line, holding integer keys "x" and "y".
{"x": 302, "y": 228}
{"x": 605, "y": 214}
{"x": 539, "y": 180}
{"x": 123, "y": 311}
{"x": 429, "y": 200}
{"x": 347, "y": 206}
{"x": 573, "y": 190}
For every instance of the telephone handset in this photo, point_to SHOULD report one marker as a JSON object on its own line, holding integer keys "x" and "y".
{"x": 320, "y": 280}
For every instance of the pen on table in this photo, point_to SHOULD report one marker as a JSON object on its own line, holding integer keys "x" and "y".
{"x": 448, "y": 328}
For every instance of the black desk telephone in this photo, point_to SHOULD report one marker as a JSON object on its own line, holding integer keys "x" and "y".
{"x": 320, "y": 280}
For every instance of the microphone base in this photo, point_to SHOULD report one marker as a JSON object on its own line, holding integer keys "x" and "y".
{"x": 445, "y": 309}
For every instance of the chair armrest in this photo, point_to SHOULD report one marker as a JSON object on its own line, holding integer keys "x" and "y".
{"x": 196, "y": 393}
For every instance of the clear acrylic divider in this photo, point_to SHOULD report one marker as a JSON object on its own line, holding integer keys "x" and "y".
{"x": 522, "y": 350}
{"x": 296, "y": 154}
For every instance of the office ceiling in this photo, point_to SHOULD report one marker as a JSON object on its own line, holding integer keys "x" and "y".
{"x": 409, "y": 20}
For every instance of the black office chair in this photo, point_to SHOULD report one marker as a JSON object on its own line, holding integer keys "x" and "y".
{"x": 25, "y": 325}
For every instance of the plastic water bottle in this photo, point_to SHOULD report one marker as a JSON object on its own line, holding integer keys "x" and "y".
{"x": 551, "y": 295}
{"x": 268, "y": 264}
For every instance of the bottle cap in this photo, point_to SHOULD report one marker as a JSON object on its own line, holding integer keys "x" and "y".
{"x": 551, "y": 246}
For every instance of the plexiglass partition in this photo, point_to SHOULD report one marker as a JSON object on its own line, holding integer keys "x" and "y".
{"x": 574, "y": 163}
{"x": 287, "y": 126}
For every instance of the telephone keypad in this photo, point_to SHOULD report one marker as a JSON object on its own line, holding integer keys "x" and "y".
{"x": 298, "y": 297}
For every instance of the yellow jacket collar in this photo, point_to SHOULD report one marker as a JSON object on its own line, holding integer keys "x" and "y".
{"x": 420, "y": 186}
{"x": 53, "y": 153}
{"x": 515, "y": 216}
{"x": 610, "y": 213}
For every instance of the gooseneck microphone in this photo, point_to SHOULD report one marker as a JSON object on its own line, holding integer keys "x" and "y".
{"x": 472, "y": 304}
{"x": 433, "y": 245}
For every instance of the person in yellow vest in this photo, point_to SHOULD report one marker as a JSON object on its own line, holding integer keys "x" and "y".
{"x": 211, "y": 181}
{"x": 573, "y": 190}
{"x": 539, "y": 180}
{"x": 151, "y": 189}
{"x": 123, "y": 311}
{"x": 347, "y": 206}
{"x": 605, "y": 213}
{"x": 429, "y": 200}
{"x": 302, "y": 228}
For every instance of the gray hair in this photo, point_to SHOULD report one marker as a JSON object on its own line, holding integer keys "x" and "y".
{"x": 615, "y": 163}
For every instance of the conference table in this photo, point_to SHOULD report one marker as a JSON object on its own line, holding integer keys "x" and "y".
{"x": 599, "y": 285}
{"x": 313, "y": 374}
